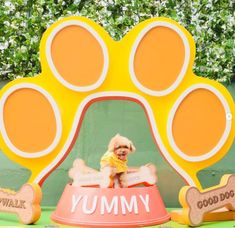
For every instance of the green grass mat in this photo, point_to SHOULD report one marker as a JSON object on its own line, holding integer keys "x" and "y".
{"x": 10, "y": 220}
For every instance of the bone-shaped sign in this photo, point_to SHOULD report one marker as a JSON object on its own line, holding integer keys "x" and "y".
{"x": 83, "y": 175}
{"x": 25, "y": 203}
{"x": 101, "y": 179}
{"x": 196, "y": 204}
{"x": 79, "y": 166}
{"x": 145, "y": 175}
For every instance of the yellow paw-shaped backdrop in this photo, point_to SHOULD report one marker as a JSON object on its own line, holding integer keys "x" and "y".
{"x": 190, "y": 117}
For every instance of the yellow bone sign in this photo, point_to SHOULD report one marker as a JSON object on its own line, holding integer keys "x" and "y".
{"x": 190, "y": 117}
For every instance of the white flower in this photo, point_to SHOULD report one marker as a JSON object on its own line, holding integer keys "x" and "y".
{"x": 17, "y": 15}
{"x": 109, "y": 13}
{"x": 18, "y": 77}
{"x": 221, "y": 51}
{"x": 23, "y": 49}
{"x": 224, "y": 26}
{"x": 23, "y": 24}
{"x": 7, "y": 23}
{"x": 9, "y": 5}
{"x": 198, "y": 28}
{"x": 34, "y": 39}
{"x": 223, "y": 79}
{"x": 195, "y": 17}
{"x": 14, "y": 26}
{"x": 4, "y": 45}
{"x": 103, "y": 3}
{"x": 231, "y": 20}
{"x": 120, "y": 19}
{"x": 12, "y": 41}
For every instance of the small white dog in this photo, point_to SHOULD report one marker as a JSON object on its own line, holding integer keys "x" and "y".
{"x": 116, "y": 157}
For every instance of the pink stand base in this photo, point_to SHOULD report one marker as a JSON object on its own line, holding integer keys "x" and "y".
{"x": 120, "y": 207}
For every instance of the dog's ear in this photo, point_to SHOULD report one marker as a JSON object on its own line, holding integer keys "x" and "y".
{"x": 132, "y": 147}
{"x": 113, "y": 143}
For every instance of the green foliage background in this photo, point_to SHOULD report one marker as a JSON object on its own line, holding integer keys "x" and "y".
{"x": 211, "y": 22}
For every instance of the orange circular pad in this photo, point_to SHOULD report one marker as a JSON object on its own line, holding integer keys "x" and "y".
{"x": 26, "y": 133}
{"x": 158, "y": 59}
{"x": 77, "y": 56}
{"x": 199, "y": 122}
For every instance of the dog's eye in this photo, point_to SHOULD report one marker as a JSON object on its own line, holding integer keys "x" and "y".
{"x": 123, "y": 147}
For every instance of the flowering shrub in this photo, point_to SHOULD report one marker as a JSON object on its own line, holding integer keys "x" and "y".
{"x": 211, "y": 22}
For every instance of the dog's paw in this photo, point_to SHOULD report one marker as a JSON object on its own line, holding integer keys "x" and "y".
{"x": 190, "y": 117}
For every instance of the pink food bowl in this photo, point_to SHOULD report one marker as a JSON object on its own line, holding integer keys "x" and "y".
{"x": 110, "y": 207}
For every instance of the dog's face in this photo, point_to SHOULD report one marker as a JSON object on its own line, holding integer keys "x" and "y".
{"x": 122, "y": 151}
{"x": 121, "y": 146}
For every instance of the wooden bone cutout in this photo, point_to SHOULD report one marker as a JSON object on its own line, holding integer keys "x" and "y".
{"x": 144, "y": 175}
{"x": 25, "y": 203}
{"x": 196, "y": 204}
{"x": 85, "y": 176}
{"x": 80, "y": 166}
